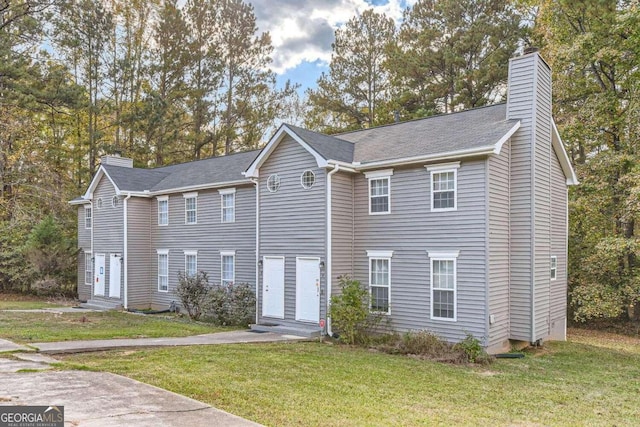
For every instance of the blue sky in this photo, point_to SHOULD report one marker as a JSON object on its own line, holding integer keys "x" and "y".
{"x": 302, "y": 32}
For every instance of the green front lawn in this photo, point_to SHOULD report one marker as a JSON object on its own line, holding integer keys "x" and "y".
{"x": 27, "y": 327}
{"x": 590, "y": 381}
{"x": 29, "y": 302}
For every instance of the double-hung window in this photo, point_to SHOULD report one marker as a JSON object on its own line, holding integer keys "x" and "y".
{"x": 87, "y": 217}
{"x": 443, "y": 285}
{"x": 554, "y": 267}
{"x": 444, "y": 186}
{"x": 228, "y": 204}
{"x": 228, "y": 267}
{"x": 191, "y": 208}
{"x": 88, "y": 268}
{"x": 163, "y": 270}
{"x": 190, "y": 263}
{"x": 379, "y": 191}
{"x": 380, "y": 281}
{"x": 163, "y": 210}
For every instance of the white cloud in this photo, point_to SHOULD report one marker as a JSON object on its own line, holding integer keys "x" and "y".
{"x": 303, "y": 30}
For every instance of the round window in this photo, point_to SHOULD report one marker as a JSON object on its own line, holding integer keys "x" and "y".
{"x": 115, "y": 201}
{"x": 308, "y": 178}
{"x": 273, "y": 183}
{"x": 99, "y": 203}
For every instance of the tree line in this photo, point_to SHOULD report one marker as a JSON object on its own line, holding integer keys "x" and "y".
{"x": 163, "y": 81}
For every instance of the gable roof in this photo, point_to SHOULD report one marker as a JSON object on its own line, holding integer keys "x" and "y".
{"x": 211, "y": 172}
{"x": 327, "y": 146}
{"x": 468, "y": 130}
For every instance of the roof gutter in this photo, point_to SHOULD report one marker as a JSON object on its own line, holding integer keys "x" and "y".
{"x": 482, "y": 151}
{"x": 148, "y": 193}
{"x": 336, "y": 168}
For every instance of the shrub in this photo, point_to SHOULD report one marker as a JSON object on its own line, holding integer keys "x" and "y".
{"x": 193, "y": 291}
{"x": 233, "y": 305}
{"x": 471, "y": 350}
{"x": 349, "y": 311}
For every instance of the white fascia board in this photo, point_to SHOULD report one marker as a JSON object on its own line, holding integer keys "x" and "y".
{"x": 505, "y": 138}
{"x": 79, "y": 202}
{"x": 344, "y": 166}
{"x": 194, "y": 188}
{"x": 486, "y": 150}
{"x": 94, "y": 183}
{"x": 273, "y": 143}
{"x": 565, "y": 163}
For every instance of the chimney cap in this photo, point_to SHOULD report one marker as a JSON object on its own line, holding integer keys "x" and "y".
{"x": 530, "y": 49}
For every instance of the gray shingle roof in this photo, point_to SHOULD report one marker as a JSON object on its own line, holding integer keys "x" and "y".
{"x": 214, "y": 170}
{"x": 327, "y": 146}
{"x": 471, "y": 129}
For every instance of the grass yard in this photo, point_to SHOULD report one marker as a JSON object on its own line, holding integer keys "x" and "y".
{"x": 592, "y": 380}
{"x": 30, "y": 302}
{"x": 25, "y": 327}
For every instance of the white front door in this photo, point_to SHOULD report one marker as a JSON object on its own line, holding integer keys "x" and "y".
{"x": 115, "y": 267}
{"x": 98, "y": 281}
{"x": 308, "y": 289}
{"x": 273, "y": 287}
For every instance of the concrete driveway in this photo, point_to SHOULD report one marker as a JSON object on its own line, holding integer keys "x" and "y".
{"x": 104, "y": 399}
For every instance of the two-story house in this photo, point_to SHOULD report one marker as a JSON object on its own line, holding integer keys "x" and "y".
{"x": 455, "y": 223}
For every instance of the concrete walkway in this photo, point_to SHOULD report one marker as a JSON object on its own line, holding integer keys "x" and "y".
{"x": 231, "y": 337}
{"x": 102, "y": 399}
{"x": 7, "y": 346}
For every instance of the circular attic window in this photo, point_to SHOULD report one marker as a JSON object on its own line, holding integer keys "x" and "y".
{"x": 307, "y": 179}
{"x": 273, "y": 183}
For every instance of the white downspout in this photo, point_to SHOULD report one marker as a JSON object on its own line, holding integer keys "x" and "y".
{"x": 336, "y": 168}
{"x": 126, "y": 253}
{"x": 256, "y": 182}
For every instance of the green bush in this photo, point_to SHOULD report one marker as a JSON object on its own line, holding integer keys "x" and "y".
{"x": 472, "y": 350}
{"x": 349, "y": 311}
{"x": 193, "y": 291}
{"x": 233, "y": 305}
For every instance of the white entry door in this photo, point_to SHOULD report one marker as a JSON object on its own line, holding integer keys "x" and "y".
{"x": 115, "y": 267}
{"x": 308, "y": 289}
{"x": 273, "y": 287}
{"x": 98, "y": 281}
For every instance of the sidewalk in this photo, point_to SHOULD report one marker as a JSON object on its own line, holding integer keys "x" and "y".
{"x": 230, "y": 337}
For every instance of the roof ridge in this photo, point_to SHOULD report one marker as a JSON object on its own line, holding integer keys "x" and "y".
{"x": 202, "y": 160}
{"x": 419, "y": 119}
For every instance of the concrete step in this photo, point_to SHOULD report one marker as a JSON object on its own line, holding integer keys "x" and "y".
{"x": 308, "y": 331}
{"x": 101, "y": 305}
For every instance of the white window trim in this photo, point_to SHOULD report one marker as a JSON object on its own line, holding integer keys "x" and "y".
{"x": 275, "y": 176}
{"x": 88, "y": 208}
{"x": 302, "y": 179}
{"x": 190, "y": 253}
{"x": 553, "y": 269}
{"x": 163, "y": 199}
{"x": 375, "y": 175}
{"x": 223, "y": 193}
{"x": 222, "y": 255}
{"x": 188, "y": 196}
{"x": 380, "y": 255}
{"x": 163, "y": 252}
{"x": 444, "y": 168}
{"x": 90, "y": 263}
{"x": 444, "y": 256}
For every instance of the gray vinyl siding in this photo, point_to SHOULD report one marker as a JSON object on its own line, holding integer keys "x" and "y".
{"x": 499, "y": 182}
{"x": 558, "y": 292}
{"x": 519, "y": 106}
{"x": 208, "y": 237}
{"x": 410, "y": 231}
{"x": 108, "y": 232}
{"x": 84, "y": 245}
{"x": 542, "y": 189}
{"x": 342, "y": 224}
{"x": 138, "y": 253}
{"x": 293, "y": 219}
